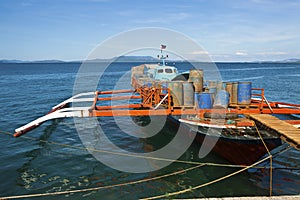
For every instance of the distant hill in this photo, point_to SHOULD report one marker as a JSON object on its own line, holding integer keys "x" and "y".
{"x": 131, "y": 59}
{"x": 126, "y": 59}
{"x": 291, "y": 60}
{"x": 11, "y": 61}
{"x": 136, "y": 58}
{"x": 35, "y": 61}
{"x": 115, "y": 59}
{"x": 48, "y": 61}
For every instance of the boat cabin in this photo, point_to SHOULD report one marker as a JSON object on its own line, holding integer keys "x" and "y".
{"x": 166, "y": 73}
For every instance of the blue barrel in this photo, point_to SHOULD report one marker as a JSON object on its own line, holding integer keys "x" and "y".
{"x": 204, "y": 100}
{"x": 148, "y": 84}
{"x": 188, "y": 94}
{"x": 164, "y": 87}
{"x": 213, "y": 90}
{"x": 244, "y": 93}
{"x": 221, "y": 86}
{"x": 221, "y": 99}
{"x": 212, "y": 84}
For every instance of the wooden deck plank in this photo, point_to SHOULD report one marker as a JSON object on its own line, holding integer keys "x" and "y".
{"x": 287, "y": 131}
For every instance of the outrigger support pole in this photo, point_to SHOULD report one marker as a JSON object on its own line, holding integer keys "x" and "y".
{"x": 149, "y": 101}
{"x": 59, "y": 111}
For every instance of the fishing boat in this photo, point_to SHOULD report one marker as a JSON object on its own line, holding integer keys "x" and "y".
{"x": 237, "y": 136}
{"x": 219, "y": 113}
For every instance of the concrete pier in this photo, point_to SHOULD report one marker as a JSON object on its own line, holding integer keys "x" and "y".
{"x": 288, "y": 197}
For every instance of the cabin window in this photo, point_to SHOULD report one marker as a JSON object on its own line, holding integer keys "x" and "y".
{"x": 168, "y": 71}
{"x": 160, "y": 71}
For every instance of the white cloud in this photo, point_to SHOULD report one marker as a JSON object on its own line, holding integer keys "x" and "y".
{"x": 241, "y": 53}
{"x": 199, "y": 53}
{"x": 272, "y": 53}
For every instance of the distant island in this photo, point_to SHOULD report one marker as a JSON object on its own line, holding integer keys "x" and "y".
{"x": 135, "y": 59}
{"x": 35, "y": 61}
{"x": 115, "y": 59}
{"x": 291, "y": 60}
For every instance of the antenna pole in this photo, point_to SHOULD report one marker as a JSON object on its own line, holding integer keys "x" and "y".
{"x": 162, "y": 55}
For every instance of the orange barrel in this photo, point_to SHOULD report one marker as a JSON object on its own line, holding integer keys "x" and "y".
{"x": 244, "y": 93}
{"x": 196, "y": 76}
{"x": 176, "y": 92}
{"x": 220, "y": 86}
{"x": 229, "y": 90}
{"x": 234, "y": 92}
{"x": 196, "y": 73}
{"x": 188, "y": 94}
{"x": 198, "y": 86}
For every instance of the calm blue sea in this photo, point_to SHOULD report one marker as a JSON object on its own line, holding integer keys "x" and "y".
{"x": 32, "y": 165}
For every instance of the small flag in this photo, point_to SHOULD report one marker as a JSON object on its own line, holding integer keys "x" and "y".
{"x": 163, "y": 46}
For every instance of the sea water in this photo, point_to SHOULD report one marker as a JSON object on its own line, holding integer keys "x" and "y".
{"x": 33, "y": 164}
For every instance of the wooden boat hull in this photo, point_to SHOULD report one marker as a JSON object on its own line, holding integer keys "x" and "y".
{"x": 237, "y": 150}
{"x": 240, "y": 152}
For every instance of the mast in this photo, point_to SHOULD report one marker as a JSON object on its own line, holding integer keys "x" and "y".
{"x": 162, "y": 57}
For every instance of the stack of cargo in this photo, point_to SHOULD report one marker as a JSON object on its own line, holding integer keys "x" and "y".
{"x": 240, "y": 92}
{"x": 137, "y": 71}
{"x": 222, "y": 94}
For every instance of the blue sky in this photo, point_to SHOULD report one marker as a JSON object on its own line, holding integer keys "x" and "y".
{"x": 229, "y": 30}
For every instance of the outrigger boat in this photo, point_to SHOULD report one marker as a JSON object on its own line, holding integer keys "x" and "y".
{"x": 213, "y": 110}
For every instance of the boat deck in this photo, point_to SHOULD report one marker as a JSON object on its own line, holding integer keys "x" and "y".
{"x": 287, "y": 131}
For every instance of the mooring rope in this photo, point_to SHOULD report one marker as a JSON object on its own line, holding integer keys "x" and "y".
{"x": 140, "y": 156}
{"x": 103, "y": 187}
{"x": 271, "y": 160}
{"x": 198, "y": 165}
{"x": 204, "y": 184}
{"x": 128, "y": 155}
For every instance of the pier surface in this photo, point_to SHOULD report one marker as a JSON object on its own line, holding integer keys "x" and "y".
{"x": 290, "y": 197}
{"x": 287, "y": 132}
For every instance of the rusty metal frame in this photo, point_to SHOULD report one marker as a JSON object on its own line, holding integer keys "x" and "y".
{"x": 152, "y": 102}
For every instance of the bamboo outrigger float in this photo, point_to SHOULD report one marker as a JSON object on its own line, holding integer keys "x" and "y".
{"x": 154, "y": 99}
